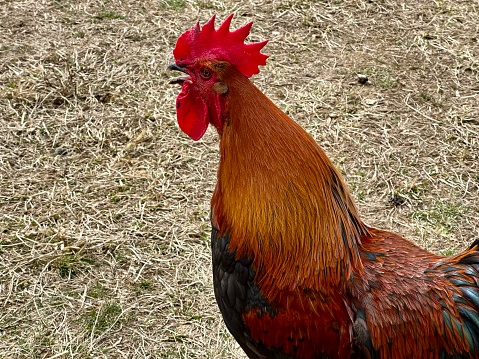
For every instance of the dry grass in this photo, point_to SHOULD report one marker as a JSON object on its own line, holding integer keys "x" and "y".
{"x": 104, "y": 248}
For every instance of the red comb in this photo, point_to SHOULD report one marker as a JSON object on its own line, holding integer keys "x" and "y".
{"x": 222, "y": 44}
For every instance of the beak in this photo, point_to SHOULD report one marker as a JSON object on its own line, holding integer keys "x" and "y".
{"x": 175, "y": 67}
{"x": 178, "y": 80}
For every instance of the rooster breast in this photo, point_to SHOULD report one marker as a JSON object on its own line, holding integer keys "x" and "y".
{"x": 235, "y": 292}
{"x": 298, "y": 323}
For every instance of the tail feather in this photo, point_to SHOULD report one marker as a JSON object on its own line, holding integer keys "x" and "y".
{"x": 471, "y": 328}
{"x": 472, "y": 294}
{"x": 466, "y": 280}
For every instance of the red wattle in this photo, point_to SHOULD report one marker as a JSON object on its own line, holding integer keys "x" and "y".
{"x": 192, "y": 112}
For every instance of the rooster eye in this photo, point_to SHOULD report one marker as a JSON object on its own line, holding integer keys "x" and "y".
{"x": 206, "y": 73}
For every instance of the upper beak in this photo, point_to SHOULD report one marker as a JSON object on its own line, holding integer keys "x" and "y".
{"x": 178, "y": 80}
{"x": 177, "y": 67}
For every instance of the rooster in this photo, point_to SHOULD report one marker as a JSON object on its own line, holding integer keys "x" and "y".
{"x": 296, "y": 272}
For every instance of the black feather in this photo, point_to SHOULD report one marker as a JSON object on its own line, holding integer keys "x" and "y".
{"x": 236, "y": 293}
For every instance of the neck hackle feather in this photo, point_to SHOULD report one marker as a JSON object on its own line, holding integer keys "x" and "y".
{"x": 280, "y": 198}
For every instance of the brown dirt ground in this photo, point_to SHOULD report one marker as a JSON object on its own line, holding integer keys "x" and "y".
{"x": 104, "y": 248}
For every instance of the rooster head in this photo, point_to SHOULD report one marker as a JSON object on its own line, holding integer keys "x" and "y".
{"x": 203, "y": 53}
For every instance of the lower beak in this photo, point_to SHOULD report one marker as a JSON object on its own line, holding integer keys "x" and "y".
{"x": 178, "y": 80}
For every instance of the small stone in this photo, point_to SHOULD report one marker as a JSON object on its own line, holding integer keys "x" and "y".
{"x": 371, "y": 101}
{"x": 61, "y": 151}
{"x": 362, "y": 79}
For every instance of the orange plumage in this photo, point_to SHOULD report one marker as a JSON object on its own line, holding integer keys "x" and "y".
{"x": 297, "y": 274}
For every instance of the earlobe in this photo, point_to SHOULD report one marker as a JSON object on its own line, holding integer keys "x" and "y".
{"x": 220, "y": 88}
